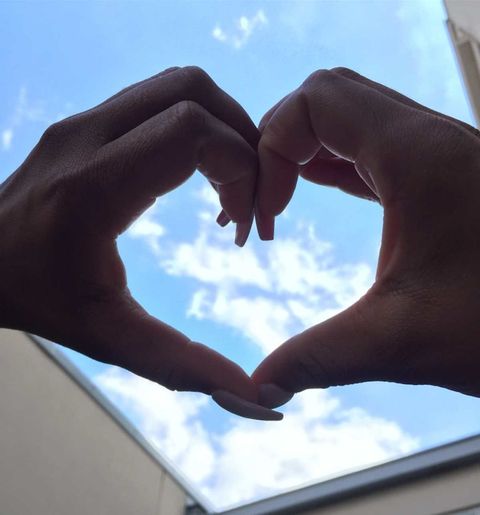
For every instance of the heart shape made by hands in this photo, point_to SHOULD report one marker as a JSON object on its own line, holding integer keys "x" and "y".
{"x": 92, "y": 174}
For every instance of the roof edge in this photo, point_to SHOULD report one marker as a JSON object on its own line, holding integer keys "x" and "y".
{"x": 55, "y": 354}
{"x": 403, "y": 470}
{"x": 400, "y": 471}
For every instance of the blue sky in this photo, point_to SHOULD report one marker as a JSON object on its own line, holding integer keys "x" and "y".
{"x": 64, "y": 57}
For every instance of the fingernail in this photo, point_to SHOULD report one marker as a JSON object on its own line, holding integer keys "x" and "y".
{"x": 272, "y": 396}
{"x": 223, "y": 219}
{"x": 244, "y": 408}
{"x": 265, "y": 226}
{"x": 242, "y": 232}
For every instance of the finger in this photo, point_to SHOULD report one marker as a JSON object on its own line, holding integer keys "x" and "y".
{"x": 238, "y": 406}
{"x": 163, "y": 152}
{"x": 357, "y": 345}
{"x": 336, "y": 172}
{"x": 138, "y": 104}
{"x": 139, "y": 84}
{"x": 326, "y": 168}
{"x": 325, "y": 172}
{"x": 123, "y": 334}
{"x": 395, "y": 95}
{"x": 223, "y": 219}
{"x": 91, "y": 113}
{"x": 346, "y": 117}
{"x": 266, "y": 117}
{"x": 243, "y": 228}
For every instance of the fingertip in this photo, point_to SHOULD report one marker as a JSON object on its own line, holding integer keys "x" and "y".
{"x": 204, "y": 370}
{"x": 243, "y": 231}
{"x": 239, "y": 406}
{"x": 265, "y": 226}
{"x": 272, "y": 396}
{"x": 241, "y": 234}
{"x": 223, "y": 219}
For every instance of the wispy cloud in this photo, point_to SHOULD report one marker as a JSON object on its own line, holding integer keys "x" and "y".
{"x": 147, "y": 229}
{"x": 7, "y": 136}
{"x": 243, "y": 30}
{"x": 250, "y": 459}
{"x": 25, "y": 111}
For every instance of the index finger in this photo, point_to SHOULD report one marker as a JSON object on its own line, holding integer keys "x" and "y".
{"x": 148, "y": 98}
{"x": 350, "y": 119}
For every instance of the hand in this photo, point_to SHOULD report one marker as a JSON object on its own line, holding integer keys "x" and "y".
{"x": 85, "y": 182}
{"x": 418, "y": 324}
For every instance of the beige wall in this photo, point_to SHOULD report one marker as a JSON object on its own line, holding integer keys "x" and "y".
{"x": 464, "y": 28}
{"x": 465, "y": 14}
{"x": 61, "y": 453}
{"x": 440, "y": 494}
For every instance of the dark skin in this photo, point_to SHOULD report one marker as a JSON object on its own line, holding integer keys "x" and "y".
{"x": 86, "y": 181}
{"x": 92, "y": 175}
{"x": 418, "y": 323}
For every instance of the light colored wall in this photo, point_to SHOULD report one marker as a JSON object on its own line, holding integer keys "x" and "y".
{"x": 465, "y": 14}
{"x": 464, "y": 28}
{"x": 439, "y": 494}
{"x": 61, "y": 453}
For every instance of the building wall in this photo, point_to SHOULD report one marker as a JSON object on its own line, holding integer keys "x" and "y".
{"x": 440, "y": 494}
{"x": 464, "y": 27}
{"x": 466, "y": 15}
{"x": 61, "y": 453}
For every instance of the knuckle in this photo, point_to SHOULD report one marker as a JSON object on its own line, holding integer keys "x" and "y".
{"x": 190, "y": 117}
{"x": 57, "y": 132}
{"x": 319, "y": 78}
{"x": 169, "y": 69}
{"x": 63, "y": 131}
{"x": 322, "y": 85}
{"x": 196, "y": 78}
{"x": 345, "y": 72}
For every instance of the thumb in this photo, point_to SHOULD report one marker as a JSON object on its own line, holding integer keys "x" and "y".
{"x": 359, "y": 344}
{"x": 122, "y": 333}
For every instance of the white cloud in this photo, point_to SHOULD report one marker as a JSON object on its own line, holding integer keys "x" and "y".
{"x": 148, "y": 229}
{"x": 250, "y": 459}
{"x": 168, "y": 420}
{"x": 324, "y": 439}
{"x": 244, "y": 28}
{"x": 7, "y": 136}
{"x": 215, "y": 263}
{"x": 265, "y": 292}
{"x": 294, "y": 285}
{"x": 27, "y": 111}
{"x": 219, "y": 34}
{"x": 24, "y": 111}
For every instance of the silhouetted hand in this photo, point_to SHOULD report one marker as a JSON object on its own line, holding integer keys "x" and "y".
{"x": 86, "y": 181}
{"x": 419, "y": 323}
